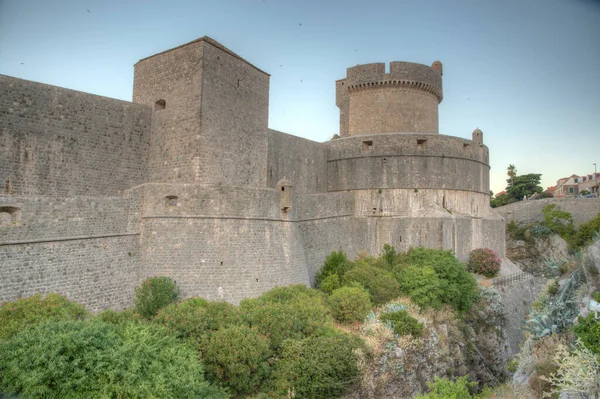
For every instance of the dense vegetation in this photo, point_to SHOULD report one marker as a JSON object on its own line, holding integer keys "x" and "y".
{"x": 557, "y": 222}
{"x": 519, "y": 187}
{"x": 278, "y": 345}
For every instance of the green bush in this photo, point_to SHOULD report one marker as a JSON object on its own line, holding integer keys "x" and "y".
{"x": 422, "y": 285}
{"x": 585, "y": 234}
{"x": 290, "y": 294}
{"x": 560, "y": 222}
{"x": 330, "y": 283}
{"x": 484, "y": 261}
{"x": 350, "y": 304}
{"x": 118, "y": 318}
{"x": 238, "y": 357}
{"x": 17, "y": 315}
{"x": 443, "y": 388}
{"x": 155, "y": 293}
{"x": 86, "y": 359}
{"x": 588, "y": 330}
{"x": 380, "y": 283}
{"x": 316, "y": 367}
{"x": 389, "y": 254}
{"x": 516, "y": 232}
{"x": 293, "y": 312}
{"x": 553, "y": 288}
{"x": 402, "y": 323}
{"x": 458, "y": 286}
{"x": 196, "y": 319}
{"x": 335, "y": 263}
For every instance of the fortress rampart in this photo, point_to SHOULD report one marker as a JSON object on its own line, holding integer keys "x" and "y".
{"x": 188, "y": 181}
{"x": 404, "y": 100}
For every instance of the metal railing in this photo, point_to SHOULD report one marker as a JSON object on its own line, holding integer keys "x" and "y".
{"x": 509, "y": 280}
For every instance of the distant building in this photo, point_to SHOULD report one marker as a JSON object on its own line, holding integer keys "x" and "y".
{"x": 567, "y": 186}
{"x": 589, "y": 183}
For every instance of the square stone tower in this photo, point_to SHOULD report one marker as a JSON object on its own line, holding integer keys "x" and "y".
{"x": 210, "y": 114}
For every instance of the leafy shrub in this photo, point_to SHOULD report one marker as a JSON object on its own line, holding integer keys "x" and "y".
{"x": 350, "y": 304}
{"x": 585, "y": 234}
{"x": 155, "y": 293}
{"x": 553, "y": 288}
{"x": 196, "y": 319}
{"x": 484, "y": 261}
{"x": 84, "y": 359}
{"x": 560, "y": 222}
{"x": 118, "y": 318}
{"x": 389, "y": 254}
{"x": 443, "y": 388}
{"x": 402, "y": 323}
{"x": 317, "y": 367}
{"x": 578, "y": 372}
{"x": 293, "y": 312}
{"x": 516, "y": 232}
{"x": 539, "y": 230}
{"x": 238, "y": 356}
{"x": 16, "y": 315}
{"x": 330, "y": 283}
{"x": 450, "y": 283}
{"x": 513, "y": 365}
{"x": 422, "y": 285}
{"x": 588, "y": 330}
{"x": 380, "y": 283}
{"x": 335, "y": 263}
{"x": 289, "y": 294}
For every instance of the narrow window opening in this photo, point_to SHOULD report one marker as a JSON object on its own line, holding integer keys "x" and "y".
{"x": 400, "y": 238}
{"x": 238, "y": 83}
{"x": 160, "y": 104}
{"x": 171, "y": 200}
{"x": 465, "y": 146}
{"x": 221, "y": 263}
{"x": 384, "y": 160}
{"x": 282, "y": 188}
{"x": 421, "y": 143}
{"x": 444, "y": 201}
{"x": 367, "y": 145}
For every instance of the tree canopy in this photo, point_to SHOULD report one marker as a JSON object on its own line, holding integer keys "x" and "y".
{"x": 524, "y": 185}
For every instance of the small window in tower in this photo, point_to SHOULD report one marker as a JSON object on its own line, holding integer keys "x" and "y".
{"x": 171, "y": 200}
{"x": 367, "y": 145}
{"x": 160, "y": 104}
{"x": 421, "y": 143}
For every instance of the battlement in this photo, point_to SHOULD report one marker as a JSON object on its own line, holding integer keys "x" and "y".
{"x": 404, "y": 100}
{"x": 402, "y": 74}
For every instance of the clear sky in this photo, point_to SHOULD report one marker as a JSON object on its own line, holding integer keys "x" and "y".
{"x": 526, "y": 72}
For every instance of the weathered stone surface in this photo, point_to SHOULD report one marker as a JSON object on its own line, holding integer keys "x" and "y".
{"x": 188, "y": 181}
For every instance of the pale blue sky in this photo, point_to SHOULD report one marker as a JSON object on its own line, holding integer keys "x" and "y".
{"x": 523, "y": 71}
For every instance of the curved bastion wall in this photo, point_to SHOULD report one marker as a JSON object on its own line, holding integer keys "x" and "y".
{"x": 411, "y": 161}
{"x": 404, "y": 100}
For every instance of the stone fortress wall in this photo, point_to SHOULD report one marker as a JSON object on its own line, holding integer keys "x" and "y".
{"x": 188, "y": 181}
{"x": 582, "y": 209}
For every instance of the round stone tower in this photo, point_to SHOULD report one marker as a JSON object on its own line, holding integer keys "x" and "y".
{"x": 405, "y": 100}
